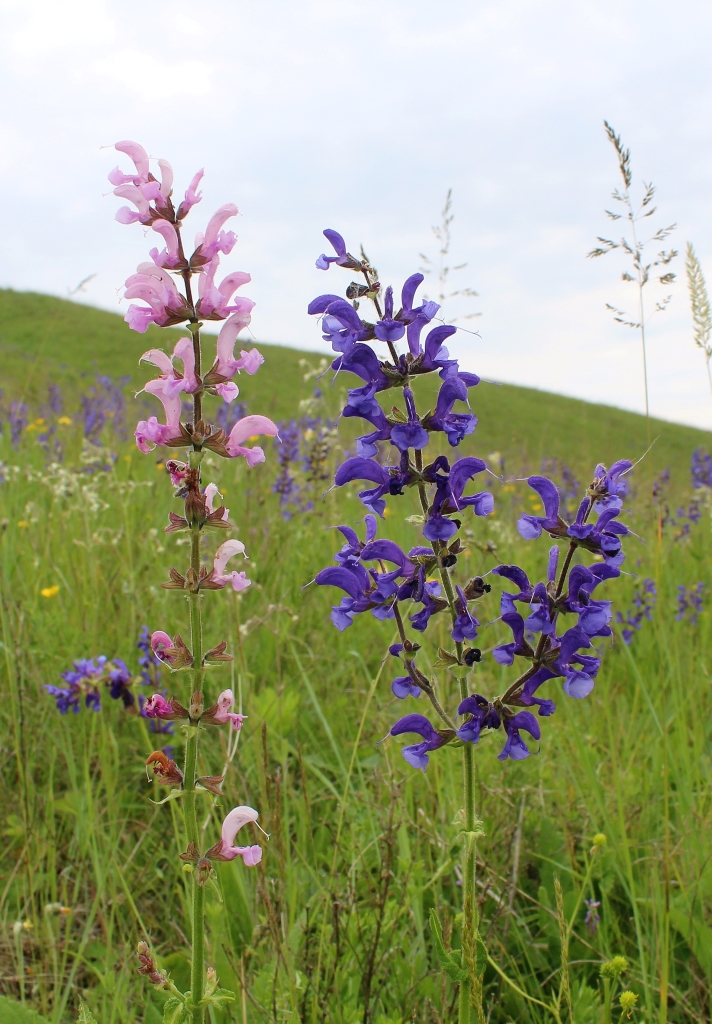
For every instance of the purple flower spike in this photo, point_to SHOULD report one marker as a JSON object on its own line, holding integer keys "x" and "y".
{"x": 515, "y": 747}
{"x": 417, "y": 754}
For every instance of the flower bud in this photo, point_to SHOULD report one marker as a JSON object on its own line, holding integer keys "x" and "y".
{"x": 613, "y": 969}
{"x": 627, "y": 1002}
{"x": 203, "y": 870}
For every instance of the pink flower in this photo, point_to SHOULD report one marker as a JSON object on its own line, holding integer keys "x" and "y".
{"x": 140, "y": 159}
{"x": 168, "y": 257}
{"x": 166, "y": 187}
{"x": 224, "y": 553}
{"x": 157, "y": 706}
{"x": 223, "y": 714}
{"x": 160, "y": 642}
{"x": 178, "y": 471}
{"x": 211, "y": 491}
{"x": 226, "y": 364}
{"x": 192, "y": 196}
{"x": 224, "y": 850}
{"x": 173, "y": 382}
{"x": 135, "y": 195}
{"x": 214, "y": 300}
{"x": 150, "y": 432}
{"x": 249, "y": 426}
{"x": 155, "y": 286}
{"x": 215, "y": 240}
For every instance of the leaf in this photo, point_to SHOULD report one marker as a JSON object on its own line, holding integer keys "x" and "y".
{"x": 449, "y": 961}
{"x": 16, "y": 1013}
{"x": 85, "y": 1015}
{"x": 173, "y": 1011}
{"x": 480, "y": 956}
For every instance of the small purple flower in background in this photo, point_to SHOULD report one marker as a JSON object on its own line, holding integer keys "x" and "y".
{"x": 660, "y": 484}
{"x": 104, "y": 403}
{"x": 701, "y": 468}
{"x": 54, "y": 399}
{"x": 644, "y": 600}
{"x": 82, "y": 681}
{"x": 18, "y": 419}
{"x": 690, "y": 602}
{"x": 592, "y": 918}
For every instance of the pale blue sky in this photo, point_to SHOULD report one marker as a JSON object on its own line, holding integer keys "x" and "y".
{"x": 360, "y": 117}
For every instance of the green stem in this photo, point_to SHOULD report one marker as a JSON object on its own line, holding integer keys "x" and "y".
{"x": 469, "y": 902}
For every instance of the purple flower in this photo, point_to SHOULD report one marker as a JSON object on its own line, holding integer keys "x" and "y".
{"x": 644, "y": 599}
{"x": 578, "y": 682}
{"x": 690, "y": 603}
{"x": 608, "y": 485}
{"x": 410, "y": 434}
{"x": 456, "y": 426}
{"x": 701, "y": 468}
{"x": 341, "y": 259}
{"x": 602, "y": 537}
{"x": 592, "y": 917}
{"x": 388, "y": 329}
{"x": 388, "y": 480}
{"x": 340, "y": 324}
{"x": 465, "y": 625}
{"x": 429, "y": 595}
{"x": 417, "y": 754}
{"x": 119, "y": 682}
{"x": 483, "y": 715}
{"x": 515, "y": 747}
{"x": 530, "y": 527}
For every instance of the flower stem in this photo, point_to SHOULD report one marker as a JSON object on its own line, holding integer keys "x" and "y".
{"x": 468, "y": 996}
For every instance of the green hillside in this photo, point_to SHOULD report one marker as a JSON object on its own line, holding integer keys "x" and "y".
{"x": 43, "y": 338}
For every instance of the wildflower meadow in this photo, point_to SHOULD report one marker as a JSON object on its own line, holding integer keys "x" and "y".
{"x": 351, "y": 688}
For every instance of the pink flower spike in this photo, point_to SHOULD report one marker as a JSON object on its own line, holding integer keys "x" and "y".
{"x": 248, "y": 426}
{"x": 227, "y": 365}
{"x": 139, "y": 156}
{"x": 228, "y": 392}
{"x": 232, "y": 824}
{"x": 157, "y": 706}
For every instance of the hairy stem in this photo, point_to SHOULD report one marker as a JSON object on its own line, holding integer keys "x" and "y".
{"x": 469, "y": 901}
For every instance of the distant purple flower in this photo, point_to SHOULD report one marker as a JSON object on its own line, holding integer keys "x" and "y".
{"x": 592, "y": 918}
{"x": 54, "y": 399}
{"x": 82, "y": 682}
{"x": 701, "y": 468}
{"x": 690, "y": 603}
{"x": 644, "y": 599}
{"x": 18, "y": 419}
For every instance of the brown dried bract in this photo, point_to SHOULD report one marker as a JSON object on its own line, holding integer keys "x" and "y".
{"x": 165, "y": 770}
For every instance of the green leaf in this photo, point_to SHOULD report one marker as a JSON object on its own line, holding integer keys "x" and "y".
{"x": 449, "y": 961}
{"x": 16, "y": 1013}
{"x": 480, "y": 956}
{"x": 85, "y": 1015}
{"x": 174, "y": 1011}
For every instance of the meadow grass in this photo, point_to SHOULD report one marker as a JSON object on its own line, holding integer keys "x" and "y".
{"x": 333, "y": 924}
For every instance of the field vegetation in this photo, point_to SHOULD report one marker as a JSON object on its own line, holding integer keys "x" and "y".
{"x": 333, "y": 924}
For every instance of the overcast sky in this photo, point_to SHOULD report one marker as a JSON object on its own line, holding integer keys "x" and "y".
{"x": 360, "y": 117}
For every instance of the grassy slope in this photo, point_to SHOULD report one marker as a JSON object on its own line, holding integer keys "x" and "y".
{"x": 42, "y": 337}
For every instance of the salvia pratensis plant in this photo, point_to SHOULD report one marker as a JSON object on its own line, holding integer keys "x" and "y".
{"x": 179, "y": 285}
{"x": 642, "y": 266}
{"x": 552, "y": 623}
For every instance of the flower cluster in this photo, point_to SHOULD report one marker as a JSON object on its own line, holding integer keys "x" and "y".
{"x": 645, "y": 598}
{"x": 690, "y": 601}
{"x": 165, "y": 305}
{"x": 84, "y": 681}
{"x": 552, "y": 622}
